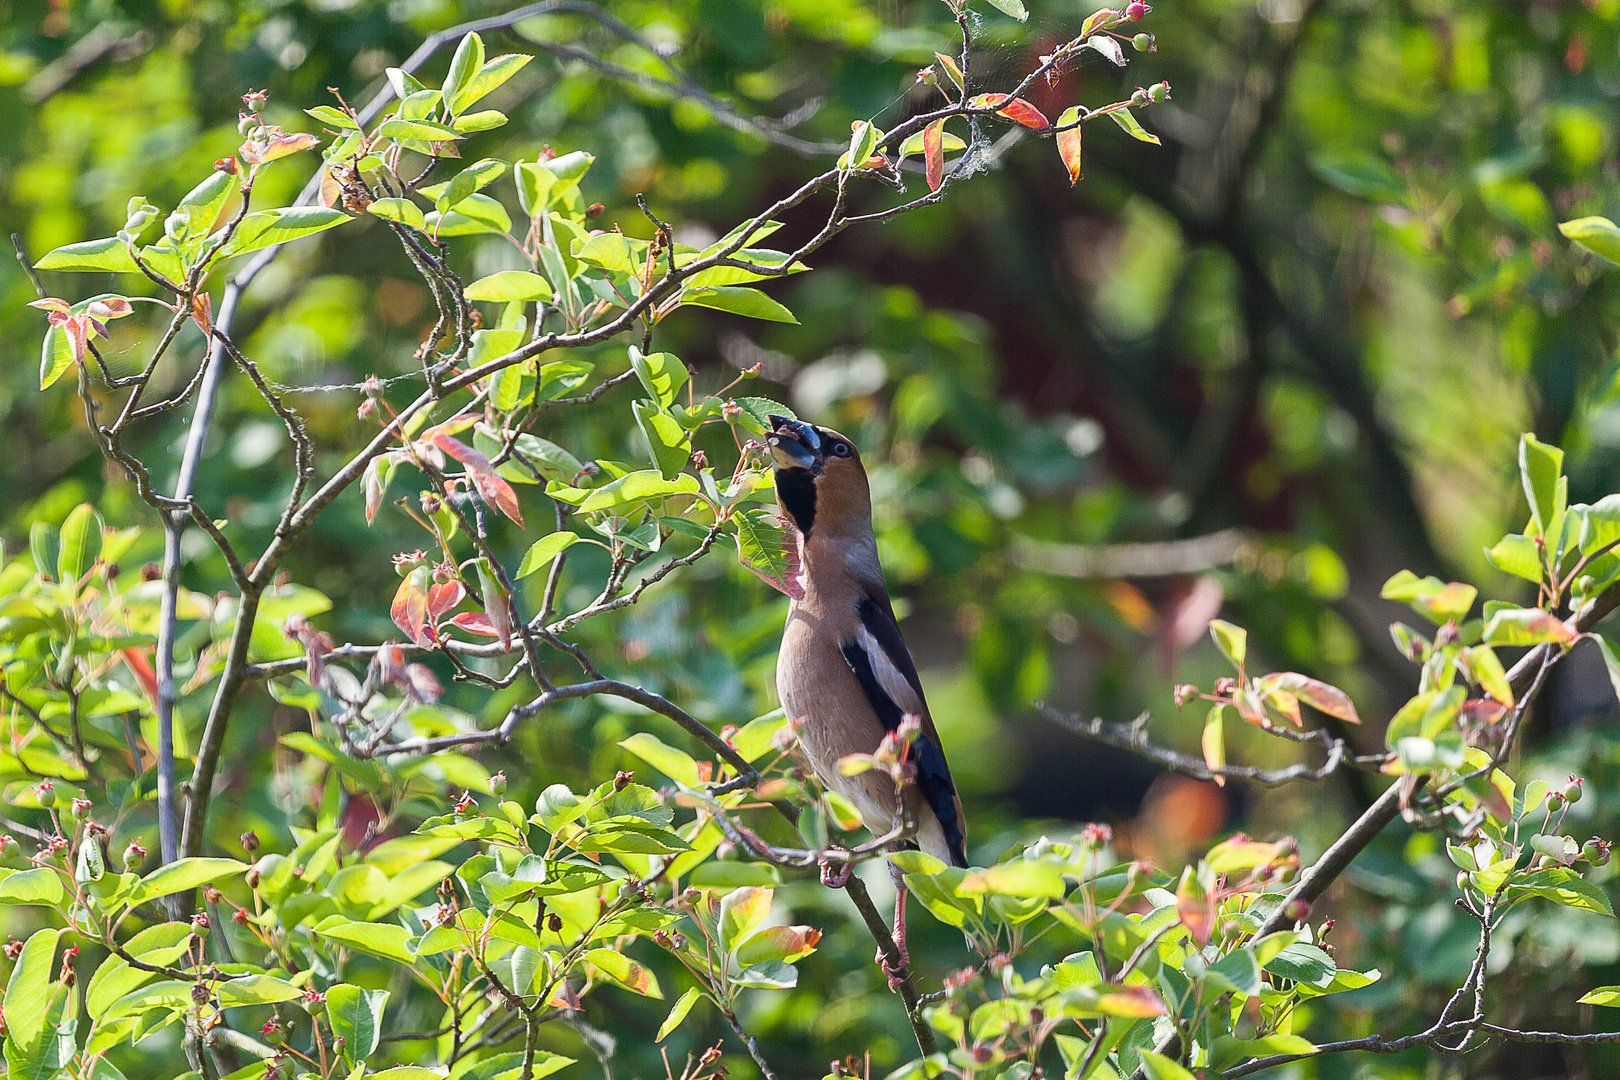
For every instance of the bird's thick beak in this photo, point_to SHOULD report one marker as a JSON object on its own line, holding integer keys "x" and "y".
{"x": 794, "y": 444}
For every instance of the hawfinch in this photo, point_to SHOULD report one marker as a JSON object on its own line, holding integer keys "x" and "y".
{"x": 844, "y": 671}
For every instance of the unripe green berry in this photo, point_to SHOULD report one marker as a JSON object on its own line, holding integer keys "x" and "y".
{"x": 1143, "y": 42}
{"x": 1158, "y": 92}
{"x": 1139, "y": 98}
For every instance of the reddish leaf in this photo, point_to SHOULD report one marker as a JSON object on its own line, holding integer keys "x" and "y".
{"x": 1015, "y": 109}
{"x": 202, "y": 313}
{"x": 495, "y": 490}
{"x": 934, "y": 154}
{"x": 444, "y": 595}
{"x": 141, "y": 668}
{"x": 497, "y": 602}
{"x": 951, "y": 69}
{"x": 50, "y": 303}
{"x": 278, "y": 147}
{"x": 409, "y": 610}
{"x": 1196, "y": 908}
{"x": 1315, "y": 693}
{"x": 1068, "y": 147}
{"x": 475, "y": 622}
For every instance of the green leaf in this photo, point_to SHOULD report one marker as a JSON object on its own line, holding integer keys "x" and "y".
{"x": 267, "y": 228}
{"x": 769, "y": 975}
{"x": 403, "y": 211}
{"x": 678, "y": 765}
{"x": 386, "y": 940}
{"x": 1021, "y": 877}
{"x": 637, "y": 488}
{"x": 29, "y": 991}
{"x": 557, "y": 806}
{"x": 862, "y": 142}
{"x": 1125, "y": 119}
{"x": 33, "y": 886}
{"x": 357, "y": 1016}
{"x": 1566, "y": 888}
{"x": 81, "y": 543}
{"x": 668, "y": 444}
{"x": 183, "y": 875}
{"x": 1603, "y": 995}
{"x": 1159, "y": 1067}
{"x": 487, "y": 79}
{"x": 476, "y": 177}
{"x": 739, "y": 301}
{"x": 508, "y": 285}
{"x": 1540, "y": 466}
{"x": 464, "y": 67}
{"x": 769, "y": 551}
{"x": 256, "y": 990}
{"x": 486, "y": 120}
{"x": 913, "y": 143}
{"x": 545, "y": 549}
{"x": 337, "y": 118}
{"x": 625, "y": 971}
{"x": 1237, "y": 971}
{"x": 425, "y": 130}
{"x": 1014, "y": 8}
{"x": 678, "y": 1013}
{"x": 742, "y": 912}
{"x": 1517, "y": 555}
{"x": 472, "y": 216}
{"x": 107, "y": 254}
{"x": 1596, "y": 234}
{"x": 1435, "y": 600}
{"x": 1231, "y": 640}
{"x": 609, "y": 250}
{"x": 1303, "y": 963}
{"x": 662, "y": 374}
{"x": 1526, "y": 626}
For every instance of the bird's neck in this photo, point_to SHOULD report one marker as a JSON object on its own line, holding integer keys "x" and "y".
{"x": 835, "y": 563}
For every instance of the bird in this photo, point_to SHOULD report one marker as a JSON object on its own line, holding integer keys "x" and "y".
{"x": 843, "y": 672}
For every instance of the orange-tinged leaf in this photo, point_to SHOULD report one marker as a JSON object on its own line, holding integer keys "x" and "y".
{"x": 934, "y": 154}
{"x": 1138, "y": 1002}
{"x": 951, "y": 69}
{"x": 331, "y": 190}
{"x": 1286, "y": 703}
{"x": 785, "y": 943}
{"x": 1068, "y": 146}
{"x": 409, "y": 609}
{"x": 1015, "y": 109}
{"x": 1315, "y": 693}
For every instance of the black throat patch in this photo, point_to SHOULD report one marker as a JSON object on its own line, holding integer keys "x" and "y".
{"x": 796, "y": 489}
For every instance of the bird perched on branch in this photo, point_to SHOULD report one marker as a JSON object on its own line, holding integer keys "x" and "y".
{"x": 844, "y": 671}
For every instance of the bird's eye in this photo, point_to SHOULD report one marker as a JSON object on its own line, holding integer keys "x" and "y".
{"x": 840, "y": 449}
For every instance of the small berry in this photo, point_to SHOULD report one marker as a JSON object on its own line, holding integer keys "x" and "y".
{"x": 1572, "y": 790}
{"x": 1136, "y": 11}
{"x": 1159, "y": 91}
{"x": 1143, "y": 42}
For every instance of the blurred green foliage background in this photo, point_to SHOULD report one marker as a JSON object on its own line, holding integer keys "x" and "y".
{"x": 1319, "y": 314}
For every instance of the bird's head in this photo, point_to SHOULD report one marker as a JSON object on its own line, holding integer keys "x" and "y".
{"x": 820, "y": 482}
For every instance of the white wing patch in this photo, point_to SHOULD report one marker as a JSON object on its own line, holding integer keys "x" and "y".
{"x": 888, "y": 675}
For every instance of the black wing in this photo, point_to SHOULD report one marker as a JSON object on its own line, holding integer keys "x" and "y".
{"x": 933, "y": 774}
